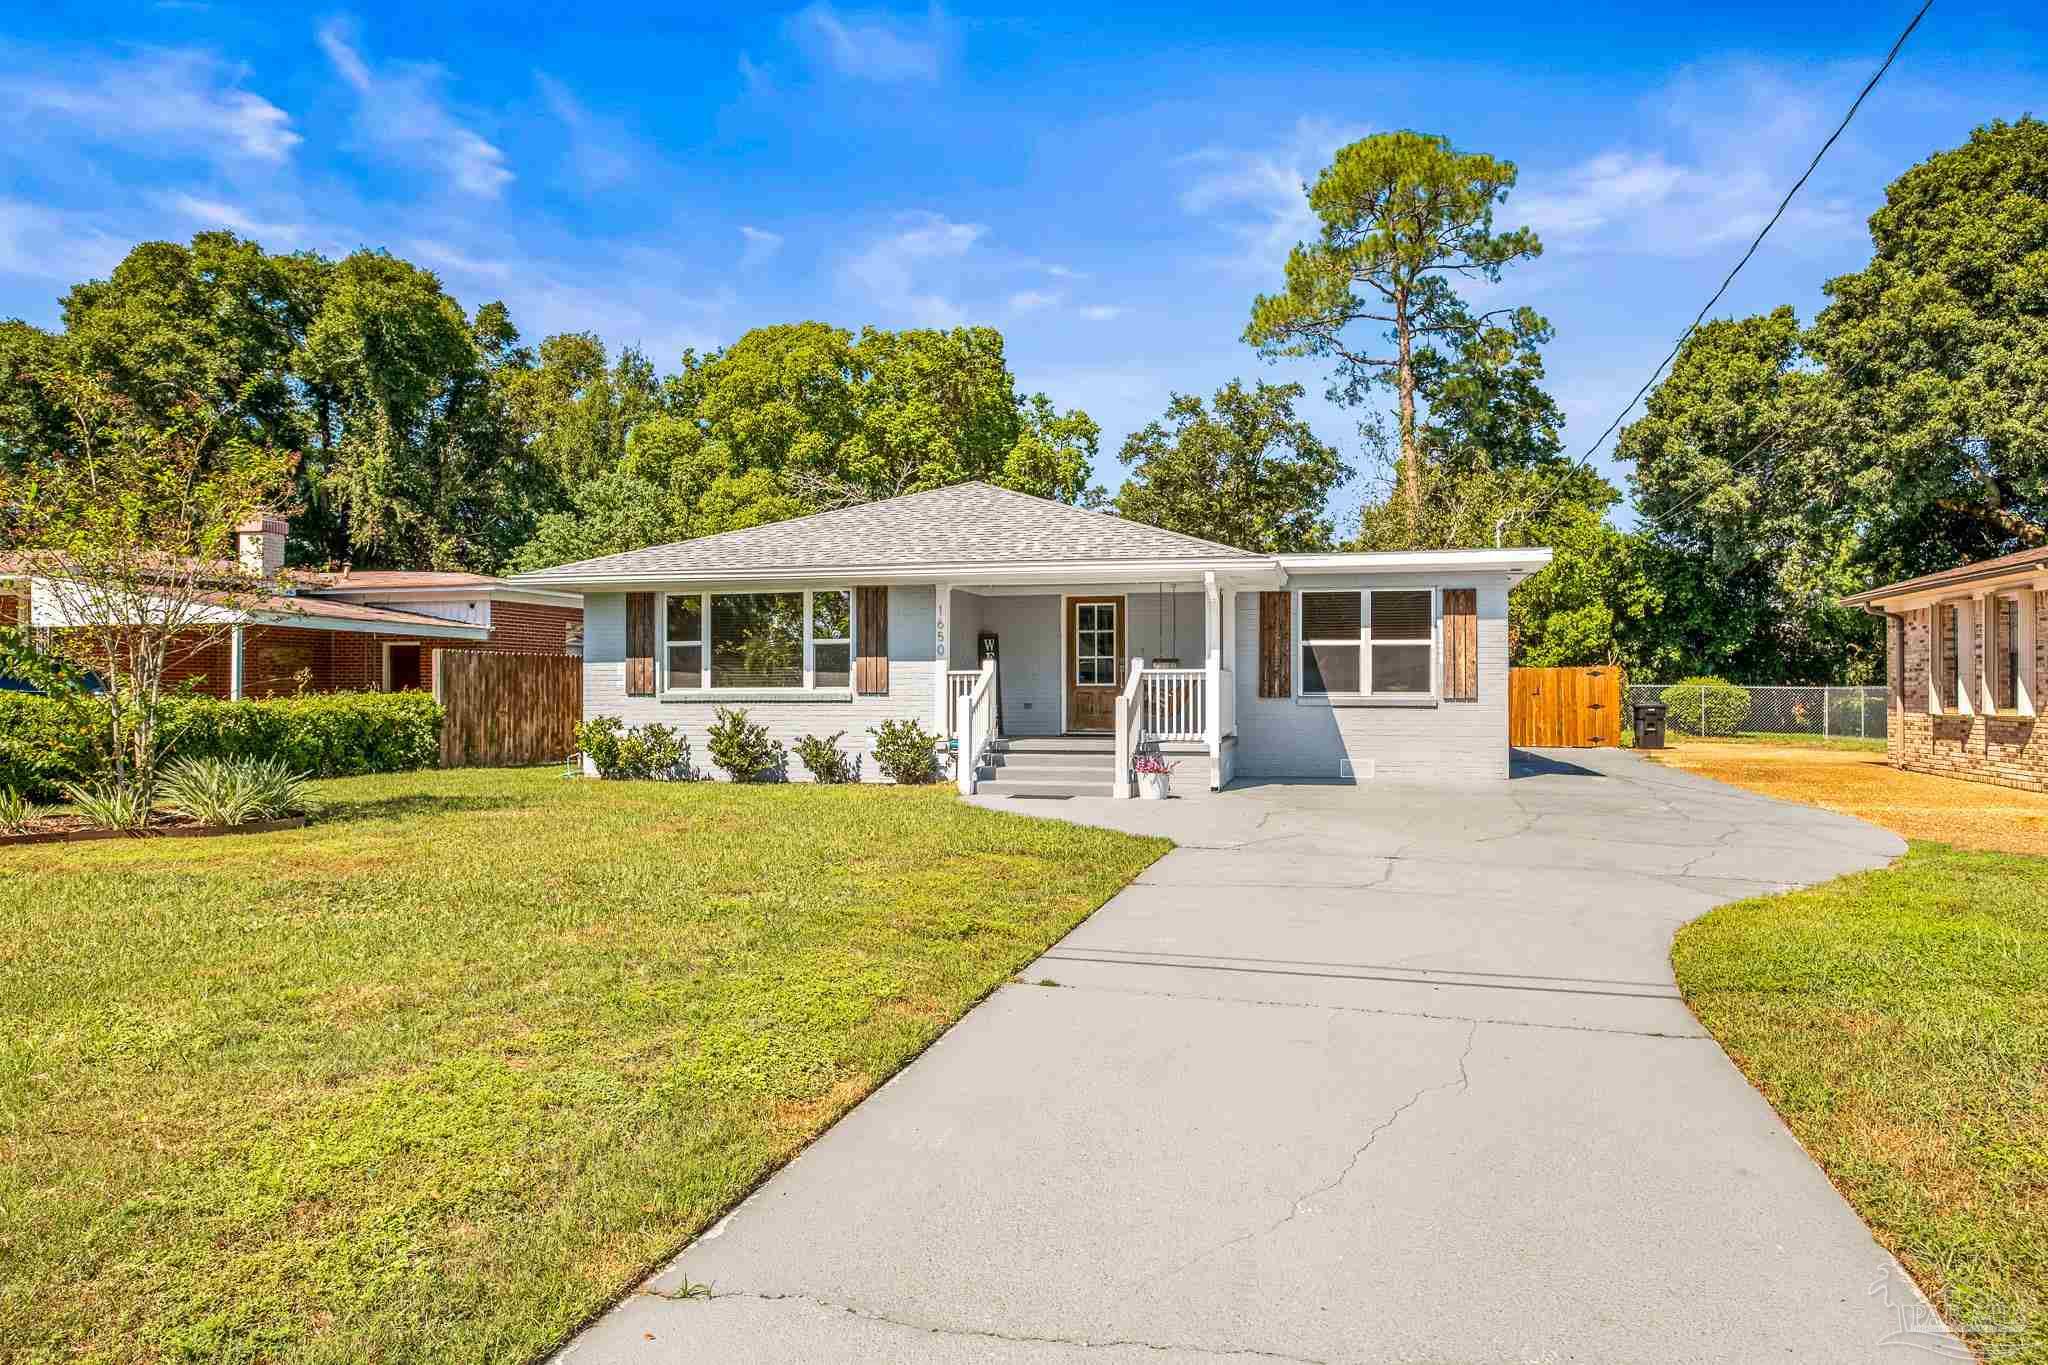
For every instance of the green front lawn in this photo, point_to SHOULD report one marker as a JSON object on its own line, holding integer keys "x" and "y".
{"x": 1898, "y": 1020}
{"x": 439, "y": 1076}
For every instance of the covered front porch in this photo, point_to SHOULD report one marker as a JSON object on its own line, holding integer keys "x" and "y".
{"x": 1055, "y": 689}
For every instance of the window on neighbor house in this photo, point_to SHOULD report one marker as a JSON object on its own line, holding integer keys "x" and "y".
{"x": 2005, "y": 688}
{"x": 784, "y": 641}
{"x": 1947, "y": 657}
{"x": 1373, "y": 643}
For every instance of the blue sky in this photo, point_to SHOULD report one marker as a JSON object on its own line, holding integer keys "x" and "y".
{"x": 1110, "y": 185}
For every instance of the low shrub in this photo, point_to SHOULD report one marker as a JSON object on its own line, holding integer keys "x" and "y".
{"x": 336, "y": 734}
{"x": 906, "y": 752}
{"x": 742, "y": 750}
{"x": 1705, "y": 706}
{"x": 232, "y": 791}
{"x": 825, "y": 760}
{"x": 17, "y": 812}
{"x": 640, "y": 753}
{"x": 47, "y": 743}
{"x": 106, "y": 805}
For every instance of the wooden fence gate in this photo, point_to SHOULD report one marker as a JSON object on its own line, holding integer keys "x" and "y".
{"x": 503, "y": 710}
{"x": 1564, "y": 708}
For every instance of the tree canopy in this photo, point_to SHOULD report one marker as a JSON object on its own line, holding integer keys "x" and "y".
{"x": 1247, "y": 472}
{"x": 1403, "y": 216}
{"x": 432, "y": 437}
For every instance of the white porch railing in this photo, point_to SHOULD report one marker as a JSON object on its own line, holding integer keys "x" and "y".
{"x": 1173, "y": 702}
{"x": 959, "y": 682}
{"x": 974, "y": 725}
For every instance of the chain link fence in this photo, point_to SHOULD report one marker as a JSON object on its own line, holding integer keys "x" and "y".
{"x": 1834, "y": 712}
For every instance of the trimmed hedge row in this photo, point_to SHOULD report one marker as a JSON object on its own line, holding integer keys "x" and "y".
{"x": 44, "y": 742}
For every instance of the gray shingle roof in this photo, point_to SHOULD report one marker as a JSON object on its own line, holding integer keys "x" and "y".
{"x": 966, "y": 523}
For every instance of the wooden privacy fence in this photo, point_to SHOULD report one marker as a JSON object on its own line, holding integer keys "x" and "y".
{"x": 1564, "y": 708}
{"x": 503, "y": 710}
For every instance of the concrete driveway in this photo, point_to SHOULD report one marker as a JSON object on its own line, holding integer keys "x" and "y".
{"x": 1355, "y": 1074}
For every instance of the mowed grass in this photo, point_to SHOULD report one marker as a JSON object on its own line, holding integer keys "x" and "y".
{"x": 1898, "y": 1020}
{"x": 1916, "y": 805}
{"x": 1783, "y": 740}
{"x": 439, "y": 1076}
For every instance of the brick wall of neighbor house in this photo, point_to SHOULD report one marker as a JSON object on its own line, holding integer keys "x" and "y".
{"x": 527, "y": 628}
{"x": 913, "y": 673}
{"x": 1452, "y": 741}
{"x": 2009, "y": 751}
{"x": 352, "y": 661}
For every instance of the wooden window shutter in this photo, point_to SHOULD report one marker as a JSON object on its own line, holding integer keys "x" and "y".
{"x": 639, "y": 644}
{"x": 1276, "y": 644}
{"x": 1461, "y": 644}
{"x": 871, "y": 669}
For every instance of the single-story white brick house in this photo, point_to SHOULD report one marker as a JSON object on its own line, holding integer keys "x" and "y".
{"x": 1052, "y": 643}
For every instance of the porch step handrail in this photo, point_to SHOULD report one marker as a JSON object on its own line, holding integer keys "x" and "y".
{"x": 975, "y": 726}
{"x": 1130, "y": 727}
{"x": 959, "y": 682}
{"x": 1175, "y": 703}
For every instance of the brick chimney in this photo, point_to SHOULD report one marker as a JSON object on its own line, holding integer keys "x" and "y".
{"x": 261, "y": 541}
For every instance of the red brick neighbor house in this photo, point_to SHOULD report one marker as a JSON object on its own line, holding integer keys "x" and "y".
{"x": 1966, "y": 667}
{"x": 352, "y": 630}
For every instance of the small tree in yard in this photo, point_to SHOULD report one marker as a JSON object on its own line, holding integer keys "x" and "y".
{"x": 128, "y": 533}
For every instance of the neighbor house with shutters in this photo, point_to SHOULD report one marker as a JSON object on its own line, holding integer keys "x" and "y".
{"x": 1967, "y": 662}
{"x": 1046, "y": 645}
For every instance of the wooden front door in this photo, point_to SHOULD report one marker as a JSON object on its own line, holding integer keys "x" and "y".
{"x": 1095, "y": 661}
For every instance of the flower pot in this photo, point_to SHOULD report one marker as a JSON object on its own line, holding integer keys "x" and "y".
{"x": 1152, "y": 786}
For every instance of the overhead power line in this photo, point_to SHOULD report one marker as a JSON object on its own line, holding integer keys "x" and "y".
{"x": 1783, "y": 204}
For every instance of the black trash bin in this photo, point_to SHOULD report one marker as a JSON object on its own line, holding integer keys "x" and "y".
{"x": 1649, "y": 717}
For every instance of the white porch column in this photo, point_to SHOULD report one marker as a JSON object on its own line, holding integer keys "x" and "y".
{"x": 942, "y": 658}
{"x": 1212, "y": 677}
{"x": 235, "y": 664}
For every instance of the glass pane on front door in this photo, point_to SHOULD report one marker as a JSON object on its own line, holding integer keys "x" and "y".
{"x": 1095, "y": 644}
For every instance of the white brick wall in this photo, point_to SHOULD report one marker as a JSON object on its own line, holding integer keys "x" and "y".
{"x": 1453, "y": 741}
{"x": 912, "y": 676}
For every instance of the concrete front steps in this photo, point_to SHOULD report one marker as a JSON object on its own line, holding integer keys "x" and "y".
{"x": 1052, "y": 766}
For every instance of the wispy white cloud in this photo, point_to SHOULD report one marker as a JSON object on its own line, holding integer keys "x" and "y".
{"x": 178, "y": 98}
{"x": 895, "y": 270}
{"x": 1032, "y": 300}
{"x": 204, "y": 212}
{"x": 1101, "y": 312}
{"x": 1260, "y": 196}
{"x": 448, "y": 258}
{"x": 1716, "y": 151}
{"x": 602, "y": 153}
{"x": 45, "y": 244}
{"x": 400, "y": 110}
{"x": 871, "y": 45}
{"x": 761, "y": 245}
{"x": 756, "y": 76}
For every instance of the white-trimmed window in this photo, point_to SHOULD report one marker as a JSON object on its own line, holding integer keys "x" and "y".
{"x": 2005, "y": 654}
{"x": 1379, "y": 642}
{"x": 784, "y": 641}
{"x": 1948, "y": 656}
